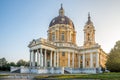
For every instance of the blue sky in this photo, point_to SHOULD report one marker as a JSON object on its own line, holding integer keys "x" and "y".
{"x": 24, "y": 20}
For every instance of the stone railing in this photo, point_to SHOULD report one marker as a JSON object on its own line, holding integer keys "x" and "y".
{"x": 44, "y": 41}
{"x": 66, "y": 45}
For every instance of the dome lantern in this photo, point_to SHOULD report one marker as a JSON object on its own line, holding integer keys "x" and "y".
{"x": 61, "y": 19}
{"x": 61, "y": 11}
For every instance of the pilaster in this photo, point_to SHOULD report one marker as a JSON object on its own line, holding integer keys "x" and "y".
{"x": 83, "y": 60}
{"x": 51, "y": 59}
{"x": 91, "y": 60}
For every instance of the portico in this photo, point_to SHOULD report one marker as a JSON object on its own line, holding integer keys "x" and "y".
{"x": 42, "y": 58}
{"x": 52, "y": 57}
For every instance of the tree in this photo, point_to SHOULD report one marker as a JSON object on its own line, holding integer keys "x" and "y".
{"x": 113, "y": 62}
{"x": 12, "y": 64}
{"x": 22, "y": 63}
{"x": 3, "y": 62}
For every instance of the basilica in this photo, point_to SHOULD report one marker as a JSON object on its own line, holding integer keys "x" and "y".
{"x": 59, "y": 53}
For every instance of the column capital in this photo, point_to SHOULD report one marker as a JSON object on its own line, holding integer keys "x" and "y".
{"x": 38, "y": 50}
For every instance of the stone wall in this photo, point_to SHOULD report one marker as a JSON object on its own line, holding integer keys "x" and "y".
{"x": 57, "y": 70}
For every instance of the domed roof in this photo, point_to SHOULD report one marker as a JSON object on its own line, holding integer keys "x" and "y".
{"x": 61, "y": 19}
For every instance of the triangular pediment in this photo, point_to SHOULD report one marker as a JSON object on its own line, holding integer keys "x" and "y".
{"x": 33, "y": 42}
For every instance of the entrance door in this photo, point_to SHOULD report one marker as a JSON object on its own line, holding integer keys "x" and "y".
{"x": 48, "y": 63}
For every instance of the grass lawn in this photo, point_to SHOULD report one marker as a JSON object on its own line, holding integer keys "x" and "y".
{"x": 103, "y": 76}
{"x": 3, "y": 75}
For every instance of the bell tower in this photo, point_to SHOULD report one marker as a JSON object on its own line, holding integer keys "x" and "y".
{"x": 89, "y": 33}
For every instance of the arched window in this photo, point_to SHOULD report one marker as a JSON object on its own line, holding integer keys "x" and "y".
{"x": 88, "y": 36}
{"x": 62, "y": 36}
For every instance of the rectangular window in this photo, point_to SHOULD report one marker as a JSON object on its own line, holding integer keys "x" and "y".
{"x": 81, "y": 57}
{"x": 87, "y": 63}
{"x": 81, "y": 64}
{"x": 63, "y": 53}
{"x": 62, "y": 36}
{"x": 53, "y": 37}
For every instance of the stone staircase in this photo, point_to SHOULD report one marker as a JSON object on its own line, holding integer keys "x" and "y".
{"x": 66, "y": 72}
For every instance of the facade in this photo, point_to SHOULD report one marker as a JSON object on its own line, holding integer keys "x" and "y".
{"x": 60, "y": 50}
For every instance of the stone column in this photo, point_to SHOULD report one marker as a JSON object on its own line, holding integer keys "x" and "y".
{"x": 41, "y": 57}
{"x": 38, "y": 61}
{"x": 57, "y": 59}
{"x": 97, "y": 59}
{"x": 73, "y": 60}
{"x": 83, "y": 60}
{"x": 68, "y": 59}
{"x": 79, "y": 60}
{"x": 54, "y": 58}
{"x": 30, "y": 58}
{"x": 91, "y": 60}
{"x": 51, "y": 59}
{"x": 33, "y": 59}
{"x": 45, "y": 59}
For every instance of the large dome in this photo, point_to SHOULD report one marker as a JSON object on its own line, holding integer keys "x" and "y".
{"x": 61, "y": 19}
